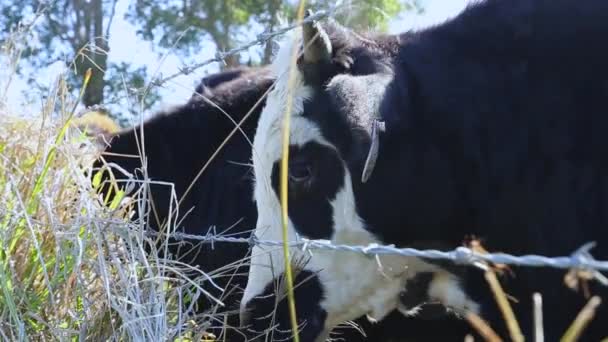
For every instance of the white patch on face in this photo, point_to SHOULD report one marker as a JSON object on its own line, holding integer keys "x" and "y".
{"x": 267, "y": 150}
{"x": 445, "y": 288}
{"x": 354, "y": 284}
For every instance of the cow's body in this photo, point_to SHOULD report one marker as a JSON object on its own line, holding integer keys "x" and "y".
{"x": 177, "y": 145}
{"x": 495, "y": 127}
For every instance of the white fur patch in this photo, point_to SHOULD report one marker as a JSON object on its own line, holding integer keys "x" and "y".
{"x": 354, "y": 284}
{"x": 267, "y": 150}
{"x": 446, "y": 289}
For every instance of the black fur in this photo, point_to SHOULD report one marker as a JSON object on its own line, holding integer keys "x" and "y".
{"x": 213, "y": 80}
{"x": 328, "y": 171}
{"x": 276, "y": 314}
{"x": 496, "y": 127}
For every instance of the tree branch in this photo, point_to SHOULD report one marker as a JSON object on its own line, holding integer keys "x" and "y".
{"x": 112, "y": 14}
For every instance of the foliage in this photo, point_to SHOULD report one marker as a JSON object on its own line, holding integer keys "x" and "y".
{"x": 75, "y": 32}
{"x": 184, "y": 25}
{"x": 124, "y": 82}
{"x": 366, "y": 14}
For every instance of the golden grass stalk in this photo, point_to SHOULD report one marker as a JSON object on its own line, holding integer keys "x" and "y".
{"x": 582, "y": 320}
{"x": 504, "y": 305}
{"x": 284, "y": 184}
{"x": 482, "y": 327}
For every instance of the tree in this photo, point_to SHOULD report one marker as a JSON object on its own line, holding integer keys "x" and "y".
{"x": 179, "y": 23}
{"x": 76, "y": 32}
{"x": 183, "y": 25}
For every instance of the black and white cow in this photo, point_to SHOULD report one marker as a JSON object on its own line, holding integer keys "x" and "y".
{"x": 177, "y": 143}
{"x": 492, "y": 124}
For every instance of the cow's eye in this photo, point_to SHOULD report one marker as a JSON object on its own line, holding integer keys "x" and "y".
{"x": 300, "y": 170}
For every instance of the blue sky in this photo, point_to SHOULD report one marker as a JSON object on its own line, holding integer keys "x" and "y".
{"x": 126, "y": 46}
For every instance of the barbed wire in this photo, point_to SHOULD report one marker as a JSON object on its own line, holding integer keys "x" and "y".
{"x": 220, "y": 56}
{"x": 579, "y": 259}
{"x": 262, "y": 38}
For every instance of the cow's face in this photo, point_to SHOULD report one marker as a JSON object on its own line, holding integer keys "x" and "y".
{"x": 338, "y": 87}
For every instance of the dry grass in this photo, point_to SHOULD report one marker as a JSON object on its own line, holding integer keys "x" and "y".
{"x": 573, "y": 333}
{"x": 73, "y": 267}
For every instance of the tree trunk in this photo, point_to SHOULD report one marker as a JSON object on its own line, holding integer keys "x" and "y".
{"x": 98, "y": 55}
{"x": 223, "y": 43}
{"x": 231, "y": 62}
{"x": 274, "y": 6}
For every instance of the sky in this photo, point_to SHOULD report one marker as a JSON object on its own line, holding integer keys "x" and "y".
{"x": 126, "y": 46}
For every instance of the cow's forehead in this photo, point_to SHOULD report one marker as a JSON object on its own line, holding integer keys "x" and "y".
{"x": 277, "y": 102}
{"x": 270, "y": 125}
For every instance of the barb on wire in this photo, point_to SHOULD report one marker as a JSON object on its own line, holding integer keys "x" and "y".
{"x": 580, "y": 259}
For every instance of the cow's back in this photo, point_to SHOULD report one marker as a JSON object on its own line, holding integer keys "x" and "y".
{"x": 505, "y": 118}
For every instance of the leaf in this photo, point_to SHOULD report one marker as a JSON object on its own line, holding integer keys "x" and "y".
{"x": 120, "y": 194}
{"x": 97, "y": 179}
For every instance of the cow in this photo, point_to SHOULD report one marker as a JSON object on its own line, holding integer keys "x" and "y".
{"x": 488, "y": 127}
{"x": 178, "y": 142}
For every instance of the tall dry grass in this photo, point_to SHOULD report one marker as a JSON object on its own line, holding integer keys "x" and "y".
{"x": 73, "y": 265}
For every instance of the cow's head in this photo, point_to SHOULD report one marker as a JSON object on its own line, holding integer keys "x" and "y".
{"x": 335, "y": 157}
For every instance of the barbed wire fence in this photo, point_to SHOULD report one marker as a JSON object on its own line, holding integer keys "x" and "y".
{"x": 580, "y": 259}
